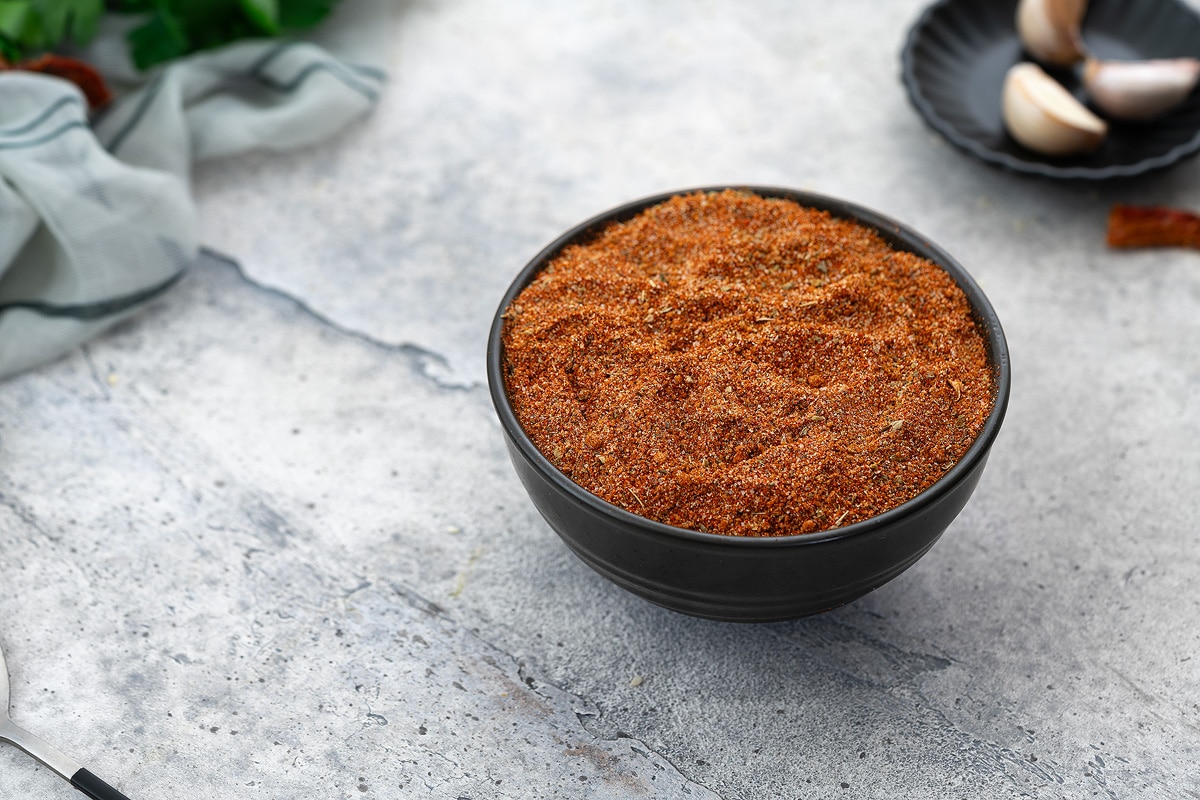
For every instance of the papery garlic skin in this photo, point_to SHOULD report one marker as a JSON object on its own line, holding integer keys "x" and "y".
{"x": 1043, "y": 116}
{"x": 1139, "y": 90}
{"x": 1049, "y": 30}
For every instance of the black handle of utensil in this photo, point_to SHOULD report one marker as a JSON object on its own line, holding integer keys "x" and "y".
{"x": 95, "y": 788}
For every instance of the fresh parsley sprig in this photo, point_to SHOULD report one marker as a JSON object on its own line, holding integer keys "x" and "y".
{"x": 169, "y": 28}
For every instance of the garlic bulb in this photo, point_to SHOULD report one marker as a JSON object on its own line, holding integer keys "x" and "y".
{"x": 1045, "y": 117}
{"x": 1049, "y": 29}
{"x": 1140, "y": 89}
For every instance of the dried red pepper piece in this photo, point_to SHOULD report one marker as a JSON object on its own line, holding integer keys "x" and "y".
{"x": 1152, "y": 226}
{"x": 74, "y": 70}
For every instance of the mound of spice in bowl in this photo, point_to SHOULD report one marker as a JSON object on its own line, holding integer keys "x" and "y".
{"x": 743, "y": 365}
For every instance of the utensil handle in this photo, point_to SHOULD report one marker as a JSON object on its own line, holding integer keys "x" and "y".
{"x": 95, "y": 788}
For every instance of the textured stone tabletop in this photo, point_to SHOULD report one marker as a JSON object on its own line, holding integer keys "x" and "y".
{"x": 263, "y": 540}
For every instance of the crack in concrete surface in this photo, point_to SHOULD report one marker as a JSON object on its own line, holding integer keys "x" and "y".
{"x": 23, "y": 513}
{"x": 551, "y": 692}
{"x": 433, "y": 365}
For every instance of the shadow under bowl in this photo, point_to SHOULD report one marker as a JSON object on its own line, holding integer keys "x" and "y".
{"x": 744, "y": 579}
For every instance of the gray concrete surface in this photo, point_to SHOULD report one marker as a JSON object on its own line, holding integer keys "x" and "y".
{"x": 263, "y": 540}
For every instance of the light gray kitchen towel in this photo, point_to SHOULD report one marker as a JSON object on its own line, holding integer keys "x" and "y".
{"x": 97, "y": 218}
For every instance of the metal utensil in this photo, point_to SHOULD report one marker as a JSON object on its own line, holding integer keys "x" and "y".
{"x": 79, "y": 777}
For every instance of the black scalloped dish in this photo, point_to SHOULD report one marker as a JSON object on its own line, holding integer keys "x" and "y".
{"x": 958, "y": 52}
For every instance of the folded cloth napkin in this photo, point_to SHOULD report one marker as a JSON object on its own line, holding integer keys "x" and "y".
{"x": 97, "y": 219}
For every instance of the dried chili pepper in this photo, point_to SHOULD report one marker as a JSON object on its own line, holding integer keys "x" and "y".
{"x": 78, "y": 72}
{"x": 1152, "y": 226}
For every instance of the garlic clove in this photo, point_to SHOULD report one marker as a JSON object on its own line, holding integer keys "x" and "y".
{"x": 1045, "y": 117}
{"x": 1049, "y": 29}
{"x": 1136, "y": 90}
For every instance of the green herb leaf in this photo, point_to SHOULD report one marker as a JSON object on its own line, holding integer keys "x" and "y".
{"x": 20, "y": 25}
{"x": 29, "y": 26}
{"x": 300, "y": 14}
{"x": 131, "y": 6}
{"x": 13, "y": 14}
{"x": 264, "y": 14}
{"x": 73, "y": 20}
{"x": 206, "y": 23}
{"x": 157, "y": 40}
{"x": 168, "y": 28}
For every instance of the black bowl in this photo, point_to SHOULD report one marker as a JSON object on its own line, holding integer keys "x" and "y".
{"x": 958, "y": 51}
{"x": 737, "y": 578}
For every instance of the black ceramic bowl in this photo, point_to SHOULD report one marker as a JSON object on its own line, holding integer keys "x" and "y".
{"x": 738, "y": 578}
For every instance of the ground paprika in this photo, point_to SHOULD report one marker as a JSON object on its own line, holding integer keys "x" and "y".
{"x": 744, "y": 365}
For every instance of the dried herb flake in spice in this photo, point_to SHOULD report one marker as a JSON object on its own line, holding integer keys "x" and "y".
{"x": 744, "y": 365}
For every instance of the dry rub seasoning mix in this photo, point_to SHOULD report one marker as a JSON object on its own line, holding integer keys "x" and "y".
{"x": 746, "y": 366}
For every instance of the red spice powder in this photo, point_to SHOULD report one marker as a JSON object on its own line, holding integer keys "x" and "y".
{"x": 746, "y": 366}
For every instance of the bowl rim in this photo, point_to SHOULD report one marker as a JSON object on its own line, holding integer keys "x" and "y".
{"x": 897, "y": 234}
